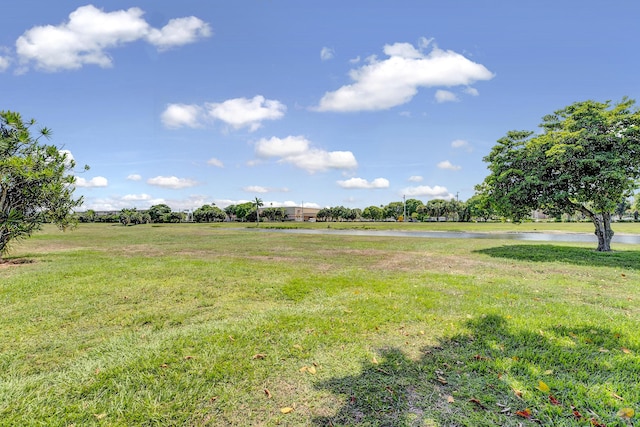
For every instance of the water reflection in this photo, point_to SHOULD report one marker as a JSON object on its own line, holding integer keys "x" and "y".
{"x": 533, "y": 236}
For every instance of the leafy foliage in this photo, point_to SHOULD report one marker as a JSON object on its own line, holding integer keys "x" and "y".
{"x": 35, "y": 183}
{"x": 586, "y": 160}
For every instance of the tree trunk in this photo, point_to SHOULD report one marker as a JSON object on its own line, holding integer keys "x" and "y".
{"x": 602, "y": 223}
{"x": 603, "y": 231}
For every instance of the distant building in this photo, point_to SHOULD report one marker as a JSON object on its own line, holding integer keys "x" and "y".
{"x": 299, "y": 213}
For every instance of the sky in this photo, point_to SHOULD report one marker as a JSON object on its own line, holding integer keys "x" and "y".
{"x": 352, "y": 103}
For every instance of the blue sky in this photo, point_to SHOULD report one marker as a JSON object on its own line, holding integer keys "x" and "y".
{"x": 326, "y": 103}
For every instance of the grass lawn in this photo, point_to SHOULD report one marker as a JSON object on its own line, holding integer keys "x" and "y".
{"x": 197, "y": 325}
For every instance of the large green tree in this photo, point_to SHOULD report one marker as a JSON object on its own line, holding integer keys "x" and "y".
{"x": 36, "y": 180}
{"x": 586, "y": 159}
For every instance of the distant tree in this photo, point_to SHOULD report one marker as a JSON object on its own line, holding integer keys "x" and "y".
{"x": 587, "y": 159}
{"x": 130, "y": 217}
{"x": 243, "y": 210}
{"x": 159, "y": 213}
{"x": 437, "y": 208}
{"x": 479, "y": 207}
{"x": 258, "y": 203}
{"x": 324, "y": 214}
{"x": 209, "y": 213}
{"x": 394, "y": 210}
{"x": 36, "y": 181}
{"x": 412, "y": 206}
{"x": 622, "y": 207}
{"x": 373, "y": 213}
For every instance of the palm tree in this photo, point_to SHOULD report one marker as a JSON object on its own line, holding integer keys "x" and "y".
{"x": 258, "y": 202}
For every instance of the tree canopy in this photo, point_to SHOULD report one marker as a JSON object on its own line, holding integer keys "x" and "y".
{"x": 586, "y": 159}
{"x": 36, "y": 183}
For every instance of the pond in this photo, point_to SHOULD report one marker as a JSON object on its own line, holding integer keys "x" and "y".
{"x": 532, "y": 236}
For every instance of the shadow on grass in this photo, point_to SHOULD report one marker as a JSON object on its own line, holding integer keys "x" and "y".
{"x": 485, "y": 377}
{"x": 567, "y": 254}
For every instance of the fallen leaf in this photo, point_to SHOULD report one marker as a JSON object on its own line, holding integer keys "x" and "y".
{"x": 616, "y": 396}
{"x": 623, "y": 275}
{"x": 477, "y": 402}
{"x": 267, "y": 392}
{"x": 626, "y": 413}
{"x": 259, "y": 356}
{"x": 164, "y": 365}
{"x": 374, "y": 360}
{"x": 626, "y": 350}
{"x": 303, "y": 369}
{"x": 596, "y": 423}
{"x": 311, "y": 370}
{"x": 442, "y": 380}
{"x": 213, "y": 399}
{"x": 548, "y": 372}
{"x": 577, "y": 414}
{"x": 543, "y": 387}
{"x": 99, "y": 416}
{"x": 450, "y": 399}
{"x": 525, "y": 413}
{"x": 553, "y": 400}
{"x": 603, "y": 350}
{"x": 189, "y": 357}
{"x": 231, "y": 338}
{"x": 286, "y": 410}
{"x": 517, "y": 392}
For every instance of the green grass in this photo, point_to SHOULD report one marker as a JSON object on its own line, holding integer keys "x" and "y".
{"x": 191, "y": 324}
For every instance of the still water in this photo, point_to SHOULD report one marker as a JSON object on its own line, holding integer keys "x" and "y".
{"x": 533, "y": 236}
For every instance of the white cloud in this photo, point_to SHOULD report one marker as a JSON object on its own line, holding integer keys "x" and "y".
{"x": 381, "y": 85}
{"x": 445, "y": 96}
{"x": 471, "y": 91}
{"x": 136, "y": 197}
{"x": 179, "y": 115}
{"x": 282, "y": 147}
{"x": 90, "y": 32}
{"x": 415, "y": 178}
{"x": 98, "y": 181}
{"x": 255, "y": 189}
{"x": 215, "y": 162}
{"x": 134, "y": 177}
{"x": 436, "y": 192}
{"x": 461, "y": 144}
{"x": 326, "y": 53}
{"x": 243, "y": 112}
{"x": 446, "y": 164}
{"x": 5, "y": 61}
{"x": 359, "y": 183}
{"x": 171, "y": 182}
{"x": 178, "y": 32}
{"x": 297, "y": 151}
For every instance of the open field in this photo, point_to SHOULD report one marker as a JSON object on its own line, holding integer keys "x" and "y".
{"x": 195, "y": 325}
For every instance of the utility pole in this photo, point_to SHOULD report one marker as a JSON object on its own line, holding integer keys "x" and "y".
{"x": 404, "y": 214}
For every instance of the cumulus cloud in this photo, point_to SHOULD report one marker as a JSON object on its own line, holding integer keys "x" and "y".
{"x": 383, "y": 84}
{"x": 243, "y": 112}
{"x": 98, "y": 181}
{"x": 415, "y": 178}
{"x": 326, "y": 53}
{"x": 445, "y": 96}
{"x": 436, "y": 192}
{"x": 172, "y": 182}
{"x": 215, "y": 162}
{"x": 297, "y": 151}
{"x": 360, "y": 183}
{"x": 471, "y": 91}
{"x": 179, "y": 115}
{"x": 446, "y": 164}
{"x": 89, "y": 33}
{"x": 134, "y": 177}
